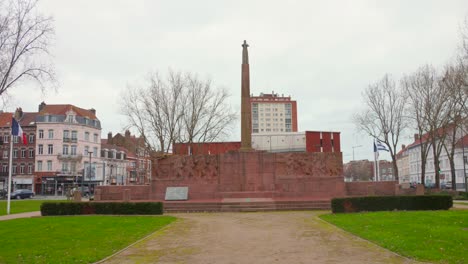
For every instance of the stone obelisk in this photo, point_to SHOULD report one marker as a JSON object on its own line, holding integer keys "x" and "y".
{"x": 246, "y": 113}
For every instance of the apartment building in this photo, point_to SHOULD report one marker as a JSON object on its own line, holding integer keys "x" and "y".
{"x": 273, "y": 113}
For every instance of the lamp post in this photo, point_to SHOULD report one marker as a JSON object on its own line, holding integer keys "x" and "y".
{"x": 354, "y": 148}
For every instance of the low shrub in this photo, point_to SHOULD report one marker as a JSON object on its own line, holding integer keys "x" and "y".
{"x": 62, "y": 208}
{"x": 390, "y": 203}
{"x": 461, "y": 196}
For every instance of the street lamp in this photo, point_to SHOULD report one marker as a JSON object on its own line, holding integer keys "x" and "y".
{"x": 354, "y": 148}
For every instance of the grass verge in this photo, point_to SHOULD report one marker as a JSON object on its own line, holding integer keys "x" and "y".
{"x": 436, "y": 236}
{"x": 72, "y": 239}
{"x": 23, "y": 206}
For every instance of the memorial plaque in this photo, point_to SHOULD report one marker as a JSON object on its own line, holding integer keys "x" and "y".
{"x": 176, "y": 193}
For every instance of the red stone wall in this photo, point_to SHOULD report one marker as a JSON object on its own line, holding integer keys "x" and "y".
{"x": 213, "y": 148}
{"x": 251, "y": 174}
{"x": 370, "y": 188}
{"x": 137, "y": 192}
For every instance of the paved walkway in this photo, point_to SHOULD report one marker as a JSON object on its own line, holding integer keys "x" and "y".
{"x": 267, "y": 237}
{"x": 20, "y": 215}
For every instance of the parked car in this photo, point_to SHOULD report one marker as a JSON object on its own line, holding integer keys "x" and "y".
{"x": 21, "y": 194}
{"x": 448, "y": 185}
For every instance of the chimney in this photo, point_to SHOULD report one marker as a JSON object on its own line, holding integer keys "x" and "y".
{"x": 18, "y": 113}
{"x": 416, "y": 137}
{"x": 127, "y": 133}
{"x": 41, "y": 106}
{"x": 109, "y": 138}
{"x": 92, "y": 110}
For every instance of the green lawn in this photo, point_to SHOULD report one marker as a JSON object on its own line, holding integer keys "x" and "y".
{"x": 72, "y": 239}
{"x": 436, "y": 236}
{"x": 22, "y": 206}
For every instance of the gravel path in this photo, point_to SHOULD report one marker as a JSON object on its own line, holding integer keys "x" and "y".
{"x": 270, "y": 237}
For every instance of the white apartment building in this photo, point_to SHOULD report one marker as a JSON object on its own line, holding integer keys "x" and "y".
{"x": 272, "y": 113}
{"x": 409, "y": 165}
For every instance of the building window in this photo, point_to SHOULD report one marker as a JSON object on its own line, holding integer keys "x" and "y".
{"x": 66, "y": 135}
{"x": 465, "y": 159}
{"x": 49, "y": 165}
{"x": 31, "y": 153}
{"x": 50, "y": 149}
{"x": 41, "y": 133}
{"x": 86, "y": 136}
{"x": 73, "y": 150}
{"x": 14, "y": 169}
{"x": 86, "y": 150}
{"x": 40, "y": 149}
{"x": 96, "y": 138}
{"x": 65, "y": 167}
{"x": 39, "y": 165}
{"x": 31, "y": 138}
{"x": 22, "y": 169}
{"x": 15, "y": 153}
{"x": 72, "y": 167}
{"x": 23, "y": 153}
{"x": 29, "y": 168}
{"x": 15, "y": 139}
{"x": 6, "y": 138}
{"x": 51, "y": 133}
{"x": 74, "y": 136}
{"x": 5, "y": 167}
{"x": 65, "y": 150}
{"x": 95, "y": 151}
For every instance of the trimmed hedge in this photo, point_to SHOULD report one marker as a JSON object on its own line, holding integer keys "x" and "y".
{"x": 390, "y": 203}
{"x": 67, "y": 208}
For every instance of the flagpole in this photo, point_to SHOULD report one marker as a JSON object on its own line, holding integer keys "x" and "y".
{"x": 9, "y": 172}
{"x": 375, "y": 162}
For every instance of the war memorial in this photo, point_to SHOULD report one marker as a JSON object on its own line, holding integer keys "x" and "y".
{"x": 246, "y": 178}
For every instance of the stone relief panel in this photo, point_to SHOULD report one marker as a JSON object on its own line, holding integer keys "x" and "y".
{"x": 308, "y": 165}
{"x": 197, "y": 167}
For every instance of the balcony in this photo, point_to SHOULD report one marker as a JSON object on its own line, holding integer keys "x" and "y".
{"x": 70, "y": 140}
{"x": 77, "y": 157}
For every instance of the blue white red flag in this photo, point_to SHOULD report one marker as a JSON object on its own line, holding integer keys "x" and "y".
{"x": 16, "y": 130}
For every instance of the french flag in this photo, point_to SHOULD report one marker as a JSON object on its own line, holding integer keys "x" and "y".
{"x": 16, "y": 130}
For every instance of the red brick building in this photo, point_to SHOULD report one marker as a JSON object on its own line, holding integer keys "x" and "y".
{"x": 137, "y": 155}
{"x": 23, "y": 154}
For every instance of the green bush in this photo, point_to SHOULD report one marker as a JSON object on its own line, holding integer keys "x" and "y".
{"x": 390, "y": 203}
{"x": 62, "y": 208}
{"x": 462, "y": 196}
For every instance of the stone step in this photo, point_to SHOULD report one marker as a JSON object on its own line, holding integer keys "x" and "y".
{"x": 246, "y": 206}
{"x": 253, "y": 194}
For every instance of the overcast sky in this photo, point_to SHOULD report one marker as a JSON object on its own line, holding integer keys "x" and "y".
{"x": 322, "y": 53}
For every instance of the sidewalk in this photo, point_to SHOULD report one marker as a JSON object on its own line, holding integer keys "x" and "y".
{"x": 20, "y": 215}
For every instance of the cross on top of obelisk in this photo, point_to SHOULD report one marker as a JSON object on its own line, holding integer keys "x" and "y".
{"x": 245, "y": 54}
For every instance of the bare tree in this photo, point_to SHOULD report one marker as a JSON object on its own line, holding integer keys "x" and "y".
{"x": 205, "y": 115}
{"x": 359, "y": 170}
{"x": 25, "y": 37}
{"x": 431, "y": 107}
{"x": 455, "y": 81}
{"x": 180, "y": 108}
{"x": 384, "y": 117}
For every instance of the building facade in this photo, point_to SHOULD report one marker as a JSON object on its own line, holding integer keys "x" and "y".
{"x": 67, "y": 148}
{"x": 308, "y": 141}
{"x": 23, "y": 152}
{"x": 114, "y": 164}
{"x": 411, "y": 167}
{"x": 138, "y": 170}
{"x": 273, "y": 113}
